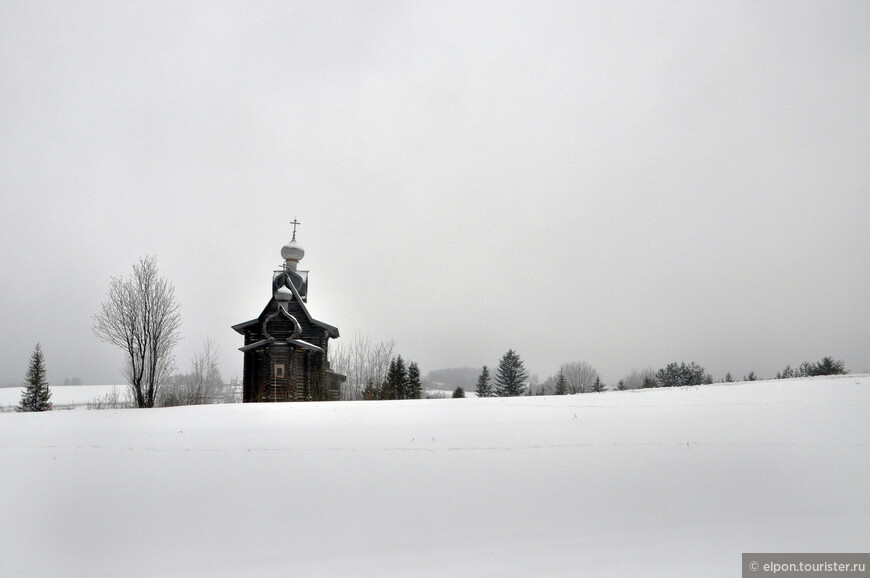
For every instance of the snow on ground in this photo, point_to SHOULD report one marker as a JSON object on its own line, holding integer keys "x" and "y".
{"x": 668, "y": 482}
{"x": 63, "y": 396}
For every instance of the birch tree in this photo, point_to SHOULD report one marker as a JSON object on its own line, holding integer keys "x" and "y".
{"x": 141, "y": 317}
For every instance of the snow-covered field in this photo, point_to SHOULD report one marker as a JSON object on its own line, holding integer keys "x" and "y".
{"x": 675, "y": 482}
{"x": 64, "y": 396}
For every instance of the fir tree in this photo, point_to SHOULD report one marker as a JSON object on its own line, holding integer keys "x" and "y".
{"x": 484, "y": 387}
{"x": 396, "y": 384}
{"x": 458, "y": 392}
{"x": 561, "y": 384}
{"x": 401, "y": 380}
{"x": 510, "y": 374}
{"x": 598, "y": 386}
{"x": 36, "y": 394}
{"x": 415, "y": 388}
{"x": 387, "y": 391}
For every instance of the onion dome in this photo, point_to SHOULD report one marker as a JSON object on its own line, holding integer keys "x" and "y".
{"x": 283, "y": 294}
{"x": 292, "y": 251}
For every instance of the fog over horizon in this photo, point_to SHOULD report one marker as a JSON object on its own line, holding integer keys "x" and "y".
{"x": 626, "y": 184}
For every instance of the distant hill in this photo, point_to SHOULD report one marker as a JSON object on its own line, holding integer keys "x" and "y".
{"x": 451, "y": 378}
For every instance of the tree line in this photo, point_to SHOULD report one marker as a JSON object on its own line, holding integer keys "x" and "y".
{"x": 581, "y": 377}
{"x": 141, "y": 317}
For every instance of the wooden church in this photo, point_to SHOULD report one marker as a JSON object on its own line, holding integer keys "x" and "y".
{"x": 285, "y": 347}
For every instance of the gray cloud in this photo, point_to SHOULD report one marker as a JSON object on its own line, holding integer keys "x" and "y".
{"x": 627, "y": 184}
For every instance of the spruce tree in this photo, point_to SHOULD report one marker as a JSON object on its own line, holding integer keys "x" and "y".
{"x": 484, "y": 387}
{"x": 396, "y": 384}
{"x": 36, "y": 394}
{"x": 598, "y": 386}
{"x": 561, "y": 384}
{"x": 387, "y": 391}
{"x": 415, "y": 388}
{"x": 458, "y": 392}
{"x": 510, "y": 374}
{"x": 401, "y": 379}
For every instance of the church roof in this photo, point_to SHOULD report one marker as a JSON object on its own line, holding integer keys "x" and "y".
{"x": 302, "y": 344}
{"x": 331, "y": 330}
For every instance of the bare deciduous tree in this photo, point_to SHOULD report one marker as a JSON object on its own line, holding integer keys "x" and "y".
{"x": 204, "y": 383}
{"x": 362, "y": 362}
{"x": 580, "y": 376}
{"x": 141, "y": 317}
{"x": 635, "y": 379}
{"x": 111, "y": 400}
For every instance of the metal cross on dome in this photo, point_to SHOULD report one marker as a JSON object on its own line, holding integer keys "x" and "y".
{"x": 294, "y": 222}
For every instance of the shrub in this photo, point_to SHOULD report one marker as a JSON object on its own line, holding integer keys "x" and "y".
{"x": 111, "y": 400}
{"x": 828, "y": 366}
{"x": 674, "y": 375}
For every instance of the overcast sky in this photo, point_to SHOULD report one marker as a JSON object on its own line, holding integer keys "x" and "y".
{"x": 625, "y": 183}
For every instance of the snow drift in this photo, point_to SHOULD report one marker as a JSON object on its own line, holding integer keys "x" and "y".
{"x": 662, "y": 482}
